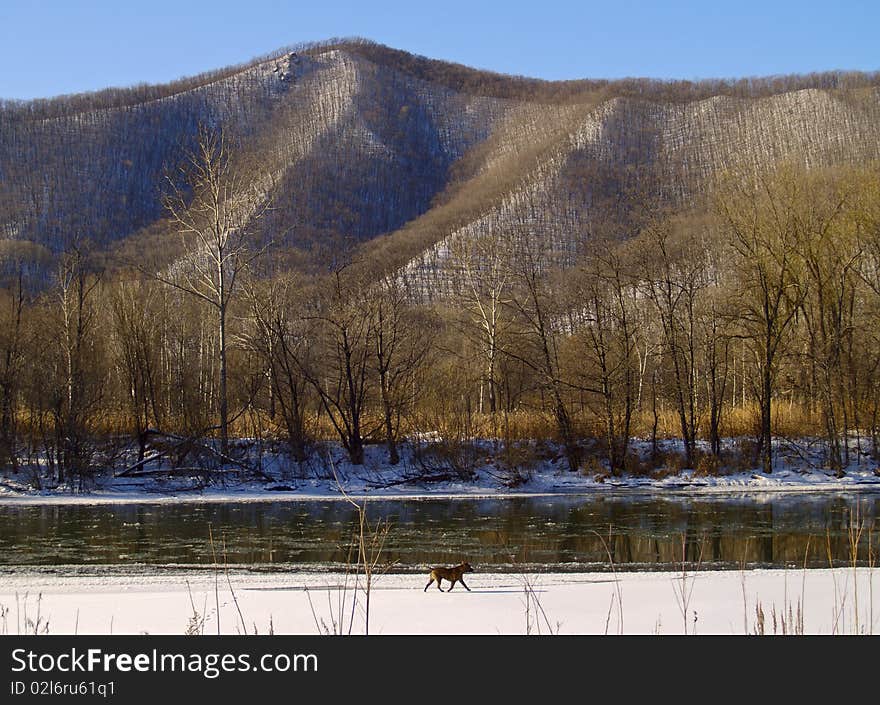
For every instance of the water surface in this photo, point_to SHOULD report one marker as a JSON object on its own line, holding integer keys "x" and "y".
{"x": 539, "y": 533}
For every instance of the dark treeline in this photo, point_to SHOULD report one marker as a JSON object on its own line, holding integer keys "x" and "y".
{"x": 454, "y": 76}
{"x": 754, "y": 315}
{"x": 130, "y": 96}
{"x": 496, "y": 85}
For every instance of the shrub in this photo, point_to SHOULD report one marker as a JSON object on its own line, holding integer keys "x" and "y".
{"x": 743, "y": 456}
{"x": 634, "y": 465}
{"x": 516, "y": 463}
{"x": 674, "y": 462}
{"x": 594, "y": 468}
{"x": 707, "y": 465}
{"x": 458, "y": 458}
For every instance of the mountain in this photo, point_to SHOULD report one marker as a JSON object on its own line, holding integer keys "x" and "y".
{"x": 361, "y": 147}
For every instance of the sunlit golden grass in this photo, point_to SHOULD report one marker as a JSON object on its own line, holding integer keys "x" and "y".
{"x": 791, "y": 420}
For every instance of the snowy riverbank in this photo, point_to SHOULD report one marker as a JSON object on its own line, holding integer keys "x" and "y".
{"x": 490, "y": 473}
{"x": 823, "y": 601}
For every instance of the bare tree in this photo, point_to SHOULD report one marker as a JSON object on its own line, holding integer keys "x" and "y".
{"x": 865, "y": 221}
{"x": 532, "y": 304}
{"x": 12, "y": 359}
{"x": 343, "y": 324}
{"x": 714, "y": 341}
{"x": 672, "y": 278}
{"x": 827, "y": 254}
{"x": 76, "y": 393}
{"x": 136, "y": 328}
{"x": 604, "y": 366}
{"x": 216, "y": 214}
{"x": 280, "y": 340}
{"x": 485, "y": 280}
{"x": 760, "y": 218}
{"x": 403, "y": 341}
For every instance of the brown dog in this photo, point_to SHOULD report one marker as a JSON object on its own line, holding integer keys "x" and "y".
{"x": 451, "y": 574}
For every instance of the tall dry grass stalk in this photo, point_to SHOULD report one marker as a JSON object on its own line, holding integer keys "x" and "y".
{"x": 364, "y": 556}
{"x": 535, "y": 614}
{"x": 618, "y": 593}
{"x": 683, "y": 586}
{"x": 789, "y": 620}
{"x": 196, "y": 624}
{"x": 855, "y": 528}
{"x": 26, "y": 622}
{"x": 216, "y": 576}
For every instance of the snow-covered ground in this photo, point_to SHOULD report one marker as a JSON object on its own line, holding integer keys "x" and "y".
{"x": 837, "y": 601}
{"x": 798, "y": 468}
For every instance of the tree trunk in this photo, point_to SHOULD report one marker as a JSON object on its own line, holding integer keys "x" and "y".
{"x": 356, "y": 448}
{"x": 766, "y": 419}
{"x": 393, "y": 456}
{"x": 224, "y": 408}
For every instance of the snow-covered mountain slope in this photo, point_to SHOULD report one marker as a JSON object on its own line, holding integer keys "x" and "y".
{"x": 350, "y": 141}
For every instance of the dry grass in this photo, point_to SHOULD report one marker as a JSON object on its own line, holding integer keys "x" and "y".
{"x": 792, "y": 420}
{"x": 707, "y": 465}
{"x": 670, "y": 463}
{"x": 28, "y": 617}
{"x": 453, "y": 425}
{"x": 789, "y": 419}
{"x": 592, "y": 466}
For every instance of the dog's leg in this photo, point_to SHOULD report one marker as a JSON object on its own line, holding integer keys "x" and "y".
{"x": 461, "y": 580}
{"x": 428, "y": 585}
{"x": 439, "y": 580}
{"x": 452, "y": 586}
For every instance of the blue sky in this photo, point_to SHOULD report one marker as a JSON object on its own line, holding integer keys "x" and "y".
{"x": 50, "y": 47}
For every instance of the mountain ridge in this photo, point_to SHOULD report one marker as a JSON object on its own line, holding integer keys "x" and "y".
{"x": 360, "y": 143}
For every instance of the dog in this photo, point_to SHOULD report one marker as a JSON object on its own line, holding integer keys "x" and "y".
{"x": 453, "y": 574}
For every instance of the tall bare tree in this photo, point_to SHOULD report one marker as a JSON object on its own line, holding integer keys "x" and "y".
{"x": 216, "y": 211}
{"x": 759, "y": 215}
{"x": 280, "y": 341}
{"x": 342, "y": 323}
{"x": 403, "y": 341}
{"x": 136, "y": 327}
{"x": 535, "y": 306}
{"x": 484, "y": 269}
{"x": 606, "y": 348}
{"x": 12, "y": 345}
{"x": 672, "y": 279}
{"x": 76, "y": 392}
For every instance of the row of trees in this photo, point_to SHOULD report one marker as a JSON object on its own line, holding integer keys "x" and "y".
{"x": 768, "y": 295}
{"x": 484, "y": 83}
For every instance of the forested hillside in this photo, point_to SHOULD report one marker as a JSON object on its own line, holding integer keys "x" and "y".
{"x": 352, "y": 140}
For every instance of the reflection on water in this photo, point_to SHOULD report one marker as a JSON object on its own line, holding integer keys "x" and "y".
{"x": 541, "y": 532}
